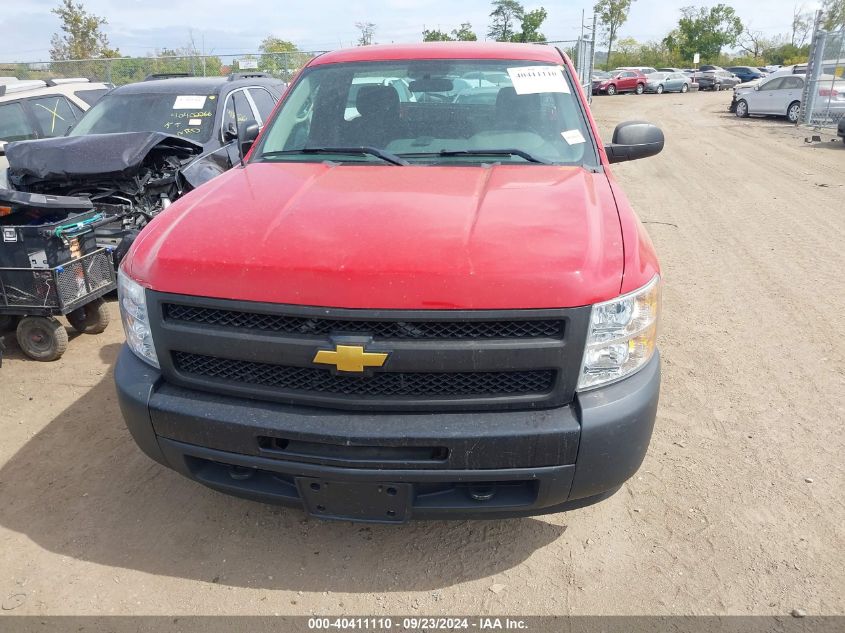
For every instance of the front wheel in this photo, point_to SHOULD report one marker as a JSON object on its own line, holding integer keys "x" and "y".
{"x": 718, "y": 87}
{"x": 685, "y": 88}
{"x": 611, "y": 90}
{"x": 660, "y": 89}
{"x": 92, "y": 318}
{"x": 42, "y": 338}
{"x": 742, "y": 108}
{"x": 640, "y": 89}
{"x": 793, "y": 111}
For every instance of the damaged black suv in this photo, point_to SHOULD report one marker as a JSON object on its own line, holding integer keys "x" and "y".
{"x": 145, "y": 144}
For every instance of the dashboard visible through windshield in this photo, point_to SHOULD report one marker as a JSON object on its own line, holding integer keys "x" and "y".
{"x": 432, "y": 112}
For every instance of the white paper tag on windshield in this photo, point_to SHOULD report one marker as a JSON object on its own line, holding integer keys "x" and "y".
{"x": 528, "y": 80}
{"x": 194, "y": 121}
{"x": 189, "y": 102}
{"x": 573, "y": 137}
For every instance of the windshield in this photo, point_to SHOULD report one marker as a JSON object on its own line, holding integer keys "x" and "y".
{"x": 431, "y": 111}
{"x": 658, "y": 76}
{"x": 188, "y": 116}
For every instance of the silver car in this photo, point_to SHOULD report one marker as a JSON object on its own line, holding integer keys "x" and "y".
{"x": 667, "y": 82}
{"x": 781, "y": 96}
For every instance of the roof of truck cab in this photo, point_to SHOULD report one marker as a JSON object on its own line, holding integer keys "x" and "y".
{"x": 442, "y": 50}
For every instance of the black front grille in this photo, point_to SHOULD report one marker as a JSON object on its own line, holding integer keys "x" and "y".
{"x": 395, "y": 329}
{"x": 322, "y": 381}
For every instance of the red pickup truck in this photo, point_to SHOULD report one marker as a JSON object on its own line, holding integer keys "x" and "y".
{"x": 423, "y": 295}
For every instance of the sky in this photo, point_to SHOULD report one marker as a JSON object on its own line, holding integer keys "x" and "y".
{"x": 139, "y": 27}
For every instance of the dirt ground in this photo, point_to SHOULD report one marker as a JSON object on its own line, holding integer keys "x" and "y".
{"x": 738, "y": 508}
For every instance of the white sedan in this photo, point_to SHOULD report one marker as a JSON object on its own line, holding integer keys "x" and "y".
{"x": 779, "y": 96}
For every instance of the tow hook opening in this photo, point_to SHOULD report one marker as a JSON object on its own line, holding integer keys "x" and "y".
{"x": 241, "y": 473}
{"x": 482, "y": 493}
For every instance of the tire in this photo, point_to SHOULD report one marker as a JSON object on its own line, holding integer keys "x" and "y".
{"x": 92, "y": 318}
{"x": 793, "y": 111}
{"x": 660, "y": 89}
{"x": 742, "y": 108}
{"x": 640, "y": 89}
{"x": 685, "y": 88}
{"x": 42, "y": 338}
{"x": 717, "y": 87}
{"x": 7, "y": 322}
{"x": 611, "y": 90}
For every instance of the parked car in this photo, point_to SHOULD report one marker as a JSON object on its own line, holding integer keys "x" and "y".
{"x": 358, "y": 324}
{"x": 667, "y": 82}
{"x": 716, "y": 80}
{"x": 746, "y": 73}
{"x": 621, "y": 81}
{"x": 708, "y": 68}
{"x": 776, "y": 96}
{"x": 781, "y": 96}
{"x": 31, "y": 109}
{"x": 643, "y": 69}
{"x": 144, "y": 144}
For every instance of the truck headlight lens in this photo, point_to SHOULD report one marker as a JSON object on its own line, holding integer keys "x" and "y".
{"x": 622, "y": 336}
{"x": 136, "y": 320}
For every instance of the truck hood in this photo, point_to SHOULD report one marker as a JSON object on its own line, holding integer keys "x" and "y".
{"x": 382, "y": 237}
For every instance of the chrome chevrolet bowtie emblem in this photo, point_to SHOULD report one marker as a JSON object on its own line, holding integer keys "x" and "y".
{"x": 351, "y": 358}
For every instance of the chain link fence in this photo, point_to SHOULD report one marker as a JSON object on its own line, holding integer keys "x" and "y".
{"x": 823, "y": 101}
{"x": 124, "y": 70}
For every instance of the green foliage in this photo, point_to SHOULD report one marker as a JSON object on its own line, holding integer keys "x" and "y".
{"x": 705, "y": 31}
{"x": 612, "y": 14}
{"x": 505, "y": 14}
{"x": 464, "y": 33}
{"x": 433, "y": 35}
{"x": 280, "y": 58}
{"x": 531, "y": 23}
{"x": 83, "y": 37}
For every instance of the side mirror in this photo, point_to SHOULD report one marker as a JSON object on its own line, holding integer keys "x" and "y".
{"x": 633, "y": 140}
{"x": 231, "y": 132}
{"x": 248, "y": 137}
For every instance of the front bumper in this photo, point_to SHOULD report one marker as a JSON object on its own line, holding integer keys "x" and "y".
{"x": 454, "y": 465}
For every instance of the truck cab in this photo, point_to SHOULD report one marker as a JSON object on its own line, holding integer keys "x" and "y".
{"x": 425, "y": 307}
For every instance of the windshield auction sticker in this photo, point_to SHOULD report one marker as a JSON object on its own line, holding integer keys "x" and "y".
{"x": 189, "y": 102}
{"x": 529, "y": 80}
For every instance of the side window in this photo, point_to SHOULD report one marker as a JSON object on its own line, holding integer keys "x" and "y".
{"x": 774, "y": 84}
{"x": 264, "y": 101}
{"x": 53, "y": 115}
{"x": 791, "y": 83}
{"x": 236, "y": 101}
{"x": 14, "y": 124}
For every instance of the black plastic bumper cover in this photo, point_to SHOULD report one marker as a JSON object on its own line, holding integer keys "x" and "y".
{"x": 534, "y": 462}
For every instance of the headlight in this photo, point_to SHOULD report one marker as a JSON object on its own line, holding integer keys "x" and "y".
{"x": 622, "y": 336}
{"x": 136, "y": 321}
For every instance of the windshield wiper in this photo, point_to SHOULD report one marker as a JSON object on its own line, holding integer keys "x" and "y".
{"x": 484, "y": 152}
{"x": 387, "y": 157}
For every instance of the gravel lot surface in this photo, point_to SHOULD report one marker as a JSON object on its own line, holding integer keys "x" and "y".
{"x": 737, "y": 509}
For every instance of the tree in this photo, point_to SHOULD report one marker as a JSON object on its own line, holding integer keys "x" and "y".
{"x": 83, "y": 37}
{"x": 368, "y": 31}
{"x": 531, "y": 23}
{"x": 280, "y": 58}
{"x": 802, "y": 24}
{"x": 505, "y": 14}
{"x": 834, "y": 14}
{"x": 754, "y": 42}
{"x": 464, "y": 33}
{"x": 433, "y": 35}
{"x": 705, "y": 31}
{"x": 612, "y": 14}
